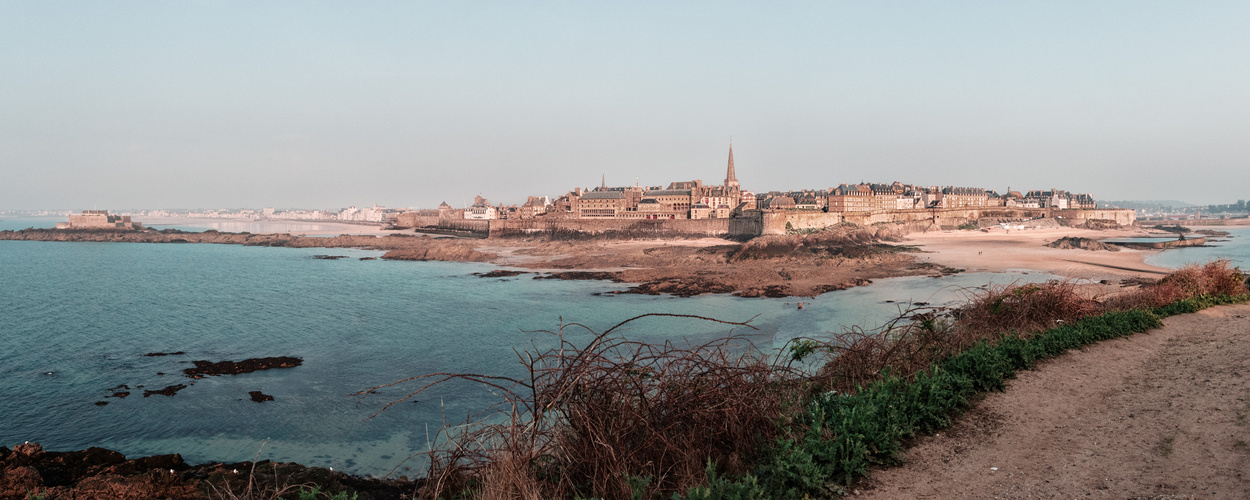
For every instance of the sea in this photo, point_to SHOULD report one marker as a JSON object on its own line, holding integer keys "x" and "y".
{"x": 77, "y": 320}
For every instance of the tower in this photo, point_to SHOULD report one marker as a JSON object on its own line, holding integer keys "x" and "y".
{"x": 731, "y": 180}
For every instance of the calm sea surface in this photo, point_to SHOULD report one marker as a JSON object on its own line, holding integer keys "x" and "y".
{"x": 76, "y": 319}
{"x": 1236, "y": 249}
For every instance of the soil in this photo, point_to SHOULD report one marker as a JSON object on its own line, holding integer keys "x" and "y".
{"x": 1162, "y": 414}
{"x": 209, "y": 368}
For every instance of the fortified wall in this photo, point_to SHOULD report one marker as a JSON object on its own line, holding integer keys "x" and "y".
{"x": 752, "y": 223}
{"x": 623, "y": 227}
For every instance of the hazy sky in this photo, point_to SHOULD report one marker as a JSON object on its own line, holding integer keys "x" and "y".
{"x": 323, "y": 105}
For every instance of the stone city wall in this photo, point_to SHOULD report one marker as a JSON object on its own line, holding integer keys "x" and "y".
{"x": 411, "y": 220}
{"x": 1123, "y": 217}
{"x": 634, "y": 228}
{"x": 752, "y": 223}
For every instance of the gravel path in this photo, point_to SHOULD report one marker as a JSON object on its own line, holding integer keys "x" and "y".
{"x": 1164, "y": 414}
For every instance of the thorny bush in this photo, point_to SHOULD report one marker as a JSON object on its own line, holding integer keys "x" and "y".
{"x": 612, "y": 418}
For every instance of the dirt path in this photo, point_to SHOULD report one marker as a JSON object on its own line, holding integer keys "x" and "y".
{"x": 1164, "y": 414}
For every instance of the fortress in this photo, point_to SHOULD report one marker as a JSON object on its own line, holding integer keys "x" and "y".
{"x": 98, "y": 219}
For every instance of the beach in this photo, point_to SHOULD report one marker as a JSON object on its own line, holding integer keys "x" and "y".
{"x": 1001, "y": 251}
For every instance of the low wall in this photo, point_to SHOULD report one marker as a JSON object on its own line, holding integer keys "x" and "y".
{"x": 411, "y": 220}
{"x": 471, "y": 225}
{"x": 753, "y": 223}
{"x": 1123, "y": 217}
{"x": 634, "y": 228}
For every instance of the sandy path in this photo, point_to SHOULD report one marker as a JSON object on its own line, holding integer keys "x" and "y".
{"x": 1000, "y": 251}
{"x": 1161, "y": 413}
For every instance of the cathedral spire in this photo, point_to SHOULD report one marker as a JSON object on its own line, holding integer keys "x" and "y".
{"x": 731, "y": 180}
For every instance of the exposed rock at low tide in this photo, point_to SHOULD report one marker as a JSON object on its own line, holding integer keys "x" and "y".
{"x": 581, "y": 275}
{"x": 680, "y": 287}
{"x": 500, "y": 273}
{"x": 209, "y": 368}
{"x": 175, "y": 353}
{"x": 167, "y": 391}
{"x": 1069, "y": 242}
{"x": 260, "y": 397}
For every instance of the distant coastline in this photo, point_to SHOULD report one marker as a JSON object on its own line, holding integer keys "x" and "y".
{"x": 770, "y": 266}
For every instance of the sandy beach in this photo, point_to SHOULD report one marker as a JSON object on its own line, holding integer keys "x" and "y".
{"x": 999, "y": 251}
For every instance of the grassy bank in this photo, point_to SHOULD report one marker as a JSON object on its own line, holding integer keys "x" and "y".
{"x": 611, "y": 418}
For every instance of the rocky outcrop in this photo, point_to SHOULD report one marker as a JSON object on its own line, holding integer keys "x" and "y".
{"x": 27, "y": 471}
{"x": 1069, "y": 242}
{"x": 167, "y": 391}
{"x": 208, "y": 368}
{"x": 260, "y": 397}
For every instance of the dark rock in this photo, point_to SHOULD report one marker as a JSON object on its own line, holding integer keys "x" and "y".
{"x": 368, "y": 258}
{"x": 33, "y": 450}
{"x": 328, "y": 257}
{"x": 582, "y": 275}
{"x": 167, "y": 391}
{"x": 16, "y": 482}
{"x": 156, "y": 462}
{"x": 770, "y": 291}
{"x": 207, "y": 368}
{"x": 499, "y": 273}
{"x": 260, "y": 397}
{"x": 176, "y": 353}
{"x": 101, "y": 403}
{"x": 688, "y": 287}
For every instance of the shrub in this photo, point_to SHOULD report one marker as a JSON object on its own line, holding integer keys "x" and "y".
{"x": 620, "y": 419}
{"x": 614, "y": 418}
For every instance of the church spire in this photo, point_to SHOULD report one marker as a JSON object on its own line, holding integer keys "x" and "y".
{"x": 731, "y": 180}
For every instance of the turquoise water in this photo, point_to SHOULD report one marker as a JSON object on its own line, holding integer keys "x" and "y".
{"x": 76, "y": 319}
{"x": 1236, "y": 249}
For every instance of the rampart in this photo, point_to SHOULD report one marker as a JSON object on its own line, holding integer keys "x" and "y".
{"x": 624, "y": 227}
{"x": 750, "y": 224}
{"x": 412, "y": 219}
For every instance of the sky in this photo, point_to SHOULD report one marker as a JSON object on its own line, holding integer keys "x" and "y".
{"x": 305, "y": 104}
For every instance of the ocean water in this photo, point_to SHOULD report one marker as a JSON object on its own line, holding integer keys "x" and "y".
{"x": 1235, "y": 248}
{"x": 77, "y": 318}
{"x": 223, "y": 225}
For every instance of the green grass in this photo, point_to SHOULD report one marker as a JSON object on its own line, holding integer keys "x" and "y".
{"x": 840, "y": 436}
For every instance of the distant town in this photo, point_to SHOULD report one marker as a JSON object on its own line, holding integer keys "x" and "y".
{"x": 695, "y": 199}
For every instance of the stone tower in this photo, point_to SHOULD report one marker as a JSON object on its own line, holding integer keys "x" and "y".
{"x": 731, "y": 180}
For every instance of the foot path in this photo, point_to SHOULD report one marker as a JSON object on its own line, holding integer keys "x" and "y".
{"x": 1163, "y": 414}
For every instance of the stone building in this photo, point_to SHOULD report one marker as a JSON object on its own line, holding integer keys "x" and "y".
{"x": 98, "y": 219}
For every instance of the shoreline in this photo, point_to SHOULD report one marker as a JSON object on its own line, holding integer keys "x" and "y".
{"x": 102, "y": 473}
{"x": 768, "y": 266}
